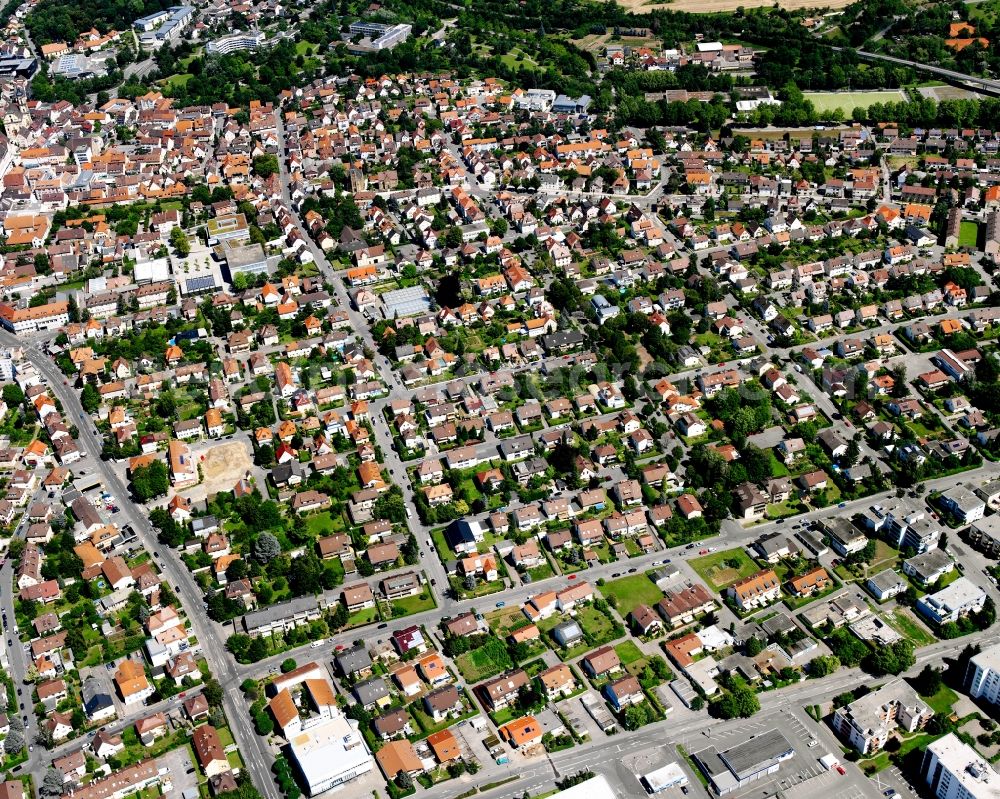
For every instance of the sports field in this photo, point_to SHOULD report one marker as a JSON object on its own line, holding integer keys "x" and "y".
{"x": 848, "y": 101}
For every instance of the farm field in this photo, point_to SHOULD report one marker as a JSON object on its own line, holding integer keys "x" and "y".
{"x": 848, "y": 101}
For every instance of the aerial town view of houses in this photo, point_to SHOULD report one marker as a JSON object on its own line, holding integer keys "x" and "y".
{"x": 498, "y": 399}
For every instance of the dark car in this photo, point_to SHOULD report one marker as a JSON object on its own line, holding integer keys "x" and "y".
{"x": 382, "y": 626}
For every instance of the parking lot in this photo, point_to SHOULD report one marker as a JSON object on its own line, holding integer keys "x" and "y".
{"x": 802, "y": 767}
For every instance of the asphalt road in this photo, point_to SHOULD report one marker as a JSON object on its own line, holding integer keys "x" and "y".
{"x": 256, "y": 754}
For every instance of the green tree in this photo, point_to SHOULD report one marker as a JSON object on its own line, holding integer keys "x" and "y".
{"x": 213, "y": 692}
{"x": 266, "y": 547}
{"x": 13, "y": 395}
{"x": 179, "y": 239}
{"x": 90, "y": 399}
{"x": 823, "y": 666}
{"x": 634, "y": 717}
{"x": 738, "y": 702}
{"x": 150, "y": 480}
{"x": 265, "y": 165}
{"x": 929, "y": 681}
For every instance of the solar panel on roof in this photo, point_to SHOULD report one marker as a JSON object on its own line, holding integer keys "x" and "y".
{"x": 200, "y": 283}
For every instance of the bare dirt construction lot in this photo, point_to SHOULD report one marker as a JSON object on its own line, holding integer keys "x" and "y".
{"x": 709, "y": 6}
{"x": 223, "y": 465}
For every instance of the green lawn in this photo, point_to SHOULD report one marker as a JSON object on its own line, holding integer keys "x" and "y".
{"x": 628, "y": 652}
{"x": 363, "y": 616}
{"x": 908, "y": 744}
{"x": 716, "y": 570}
{"x": 780, "y": 510}
{"x": 778, "y": 469}
{"x": 942, "y": 701}
{"x": 598, "y": 629}
{"x": 323, "y": 524}
{"x": 413, "y": 604}
{"x": 595, "y": 624}
{"x": 541, "y": 572}
{"x": 636, "y": 589}
{"x": 176, "y": 81}
{"x": 885, "y": 555}
{"x": 968, "y": 235}
{"x": 437, "y": 536}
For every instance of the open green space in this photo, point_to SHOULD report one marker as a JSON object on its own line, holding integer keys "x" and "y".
{"x": 943, "y": 701}
{"x": 636, "y": 589}
{"x": 968, "y": 234}
{"x": 907, "y": 744}
{"x": 417, "y": 603}
{"x": 722, "y": 569}
{"x": 907, "y": 625}
{"x": 628, "y": 652}
{"x": 778, "y": 469}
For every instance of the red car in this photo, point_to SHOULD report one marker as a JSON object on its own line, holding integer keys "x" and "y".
{"x": 702, "y": 551}
{"x": 840, "y": 770}
{"x": 571, "y": 577}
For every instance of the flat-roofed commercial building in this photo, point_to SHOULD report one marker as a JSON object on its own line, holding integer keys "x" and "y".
{"x": 330, "y": 754}
{"x": 744, "y": 763}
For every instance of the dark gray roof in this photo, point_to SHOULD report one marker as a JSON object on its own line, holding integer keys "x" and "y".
{"x": 353, "y": 659}
{"x": 757, "y": 754}
{"x": 371, "y": 690}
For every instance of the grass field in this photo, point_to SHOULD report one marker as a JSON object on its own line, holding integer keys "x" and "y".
{"x": 176, "y": 81}
{"x": 848, "y": 101}
{"x": 715, "y": 570}
{"x": 417, "y": 603}
{"x": 968, "y": 235}
{"x": 778, "y": 469}
{"x": 323, "y": 524}
{"x": 628, "y": 652}
{"x": 942, "y": 701}
{"x": 630, "y": 591}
